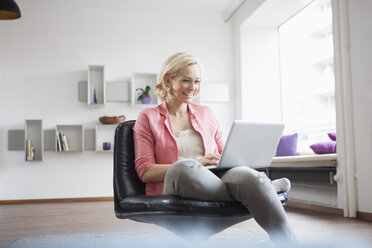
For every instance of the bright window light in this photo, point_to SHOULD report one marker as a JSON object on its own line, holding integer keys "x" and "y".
{"x": 307, "y": 75}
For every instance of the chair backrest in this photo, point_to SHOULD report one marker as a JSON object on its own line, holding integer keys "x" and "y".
{"x": 126, "y": 180}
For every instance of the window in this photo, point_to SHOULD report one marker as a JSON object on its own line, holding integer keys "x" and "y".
{"x": 307, "y": 77}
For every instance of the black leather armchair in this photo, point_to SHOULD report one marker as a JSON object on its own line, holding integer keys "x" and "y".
{"x": 179, "y": 215}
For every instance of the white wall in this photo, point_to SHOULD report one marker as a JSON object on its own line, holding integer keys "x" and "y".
{"x": 360, "y": 19}
{"x": 46, "y": 53}
{"x": 260, "y": 74}
{"x": 246, "y": 10}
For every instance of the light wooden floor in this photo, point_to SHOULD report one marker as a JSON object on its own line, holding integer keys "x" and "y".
{"x": 27, "y": 220}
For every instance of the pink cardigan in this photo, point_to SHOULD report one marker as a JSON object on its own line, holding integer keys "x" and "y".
{"x": 155, "y": 142}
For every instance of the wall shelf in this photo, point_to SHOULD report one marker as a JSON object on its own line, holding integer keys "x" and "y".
{"x": 74, "y": 135}
{"x": 96, "y": 88}
{"x": 141, "y": 80}
{"x": 105, "y": 133}
{"x": 34, "y": 140}
{"x": 117, "y": 91}
{"x": 16, "y": 140}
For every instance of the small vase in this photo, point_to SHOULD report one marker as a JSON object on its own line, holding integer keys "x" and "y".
{"x": 106, "y": 146}
{"x": 146, "y": 100}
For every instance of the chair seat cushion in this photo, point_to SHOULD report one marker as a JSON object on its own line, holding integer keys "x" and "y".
{"x": 179, "y": 205}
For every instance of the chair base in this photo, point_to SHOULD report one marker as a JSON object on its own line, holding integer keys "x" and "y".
{"x": 192, "y": 227}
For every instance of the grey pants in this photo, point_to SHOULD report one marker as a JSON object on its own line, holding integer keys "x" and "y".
{"x": 188, "y": 178}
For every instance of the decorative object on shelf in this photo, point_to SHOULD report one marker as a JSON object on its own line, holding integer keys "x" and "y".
{"x": 9, "y": 10}
{"x": 106, "y": 146}
{"x": 112, "y": 119}
{"x": 144, "y": 95}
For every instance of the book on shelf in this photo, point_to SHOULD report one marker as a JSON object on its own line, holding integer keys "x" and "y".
{"x": 28, "y": 148}
{"x": 58, "y": 143}
{"x": 62, "y": 143}
{"x": 93, "y": 96}
{"x": 30, "y": 151}
{"x": 65, "y": 143}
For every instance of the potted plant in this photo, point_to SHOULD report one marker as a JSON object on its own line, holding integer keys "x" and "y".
{"x": 144, "y": 95}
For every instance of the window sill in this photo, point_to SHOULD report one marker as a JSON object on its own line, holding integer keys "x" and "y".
{"x": 313, "y": 160}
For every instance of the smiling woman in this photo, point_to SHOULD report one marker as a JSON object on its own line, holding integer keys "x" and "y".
{"x": 185, "y": 84}
{"x": 184, "y": 67}
{"x": 174, "y": 142}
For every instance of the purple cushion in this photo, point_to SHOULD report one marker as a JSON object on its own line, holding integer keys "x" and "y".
{"x": 287, "y": 145}
{"x": 324, "y": 147}
{"x": 332, "y": 136}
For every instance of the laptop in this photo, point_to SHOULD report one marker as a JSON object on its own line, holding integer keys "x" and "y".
{"x": 250, "y": 144}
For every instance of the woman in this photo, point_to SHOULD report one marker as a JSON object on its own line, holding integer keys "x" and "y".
{"x": 176, "y": 139}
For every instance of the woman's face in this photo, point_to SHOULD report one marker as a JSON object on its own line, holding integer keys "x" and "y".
{"x": 185, "y": 84}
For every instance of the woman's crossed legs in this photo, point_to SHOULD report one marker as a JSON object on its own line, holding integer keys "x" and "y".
{"x": 188, "y": 178}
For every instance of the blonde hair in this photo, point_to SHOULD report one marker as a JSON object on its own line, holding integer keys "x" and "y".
{"x": 171, "y": 67}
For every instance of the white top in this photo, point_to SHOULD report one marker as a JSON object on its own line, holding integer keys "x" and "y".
{"x": 189, "y": 144}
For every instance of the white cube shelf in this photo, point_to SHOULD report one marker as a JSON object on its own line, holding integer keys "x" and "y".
{"x": 96, "y": 87}
{"x": 34, "y": 140}
{"x": 141, "y": 80}
{"x": 74, "y": 141}
{"x": 105, "y": 134}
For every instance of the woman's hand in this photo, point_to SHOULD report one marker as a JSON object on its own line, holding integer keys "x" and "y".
{"x": 210, "y": 159}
